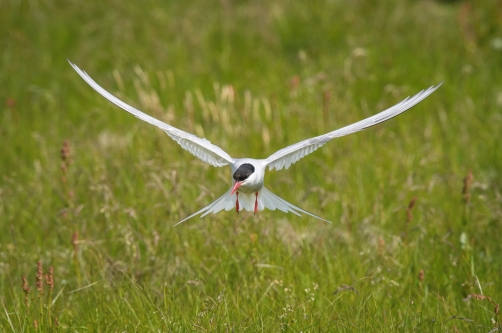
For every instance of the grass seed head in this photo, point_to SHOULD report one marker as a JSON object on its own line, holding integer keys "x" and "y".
{"x": 65, "y": 153}
{"x": 465, "y": 22}
{"x": 294, "y": 82}
{"x": 40, "y": 278}
{"x": 496, "y": 310}
{"x": 74, "y": 241}
{"x": 467, "y": 183}
{"x": 409, "y": 214}
{"x": 381, "y": 246}
{"x": 65, "y": 164}
{"x": 344, "y": 287}
{"x": 421, "y": 275}
{"x": 10, "y": 103}
{"x": 49, "y": 279}
{"x": 480, "y": 297}
{"x": 65, "y": 160}
{"x": 26, "y": 289}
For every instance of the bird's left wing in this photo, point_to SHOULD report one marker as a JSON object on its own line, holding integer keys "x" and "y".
{"x": 199, "y": 147}
{"x": 291, "y": 154}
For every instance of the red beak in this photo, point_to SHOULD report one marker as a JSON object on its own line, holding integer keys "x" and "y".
{"x": 236, "y": 186}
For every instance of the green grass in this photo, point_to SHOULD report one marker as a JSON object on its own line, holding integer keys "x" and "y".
{"x": 252, "y": 77}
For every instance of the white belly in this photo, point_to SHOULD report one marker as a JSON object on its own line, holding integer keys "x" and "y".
{"x": 250, "y": 188}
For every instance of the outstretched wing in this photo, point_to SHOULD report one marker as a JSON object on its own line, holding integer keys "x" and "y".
{"x": 291, "y": 154}
{"x": 201, "y": 148}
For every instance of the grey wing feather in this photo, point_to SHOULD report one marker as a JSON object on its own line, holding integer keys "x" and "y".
{"x": 291, "y": 154}
{"x": 199, "y": 147}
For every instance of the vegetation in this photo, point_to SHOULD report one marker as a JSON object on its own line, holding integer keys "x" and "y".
{"x": 89, "y": 194}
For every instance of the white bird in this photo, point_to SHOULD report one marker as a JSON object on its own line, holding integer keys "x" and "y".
{"x": 247, "y": 191}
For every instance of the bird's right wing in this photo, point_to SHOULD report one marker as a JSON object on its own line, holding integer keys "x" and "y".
{"x": 199, "y": 147}
{"x": 289, "y": 155}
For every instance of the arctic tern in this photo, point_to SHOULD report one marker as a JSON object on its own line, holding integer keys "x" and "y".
{"x": 247, "y": 191}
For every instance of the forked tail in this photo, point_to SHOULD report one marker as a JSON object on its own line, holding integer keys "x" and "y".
{"x": 266, "y": 199}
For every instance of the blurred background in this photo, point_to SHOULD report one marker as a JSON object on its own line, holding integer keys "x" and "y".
{"x": 93, "y": 193}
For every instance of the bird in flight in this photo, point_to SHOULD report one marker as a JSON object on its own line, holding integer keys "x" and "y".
{"x": 247, "y": 191}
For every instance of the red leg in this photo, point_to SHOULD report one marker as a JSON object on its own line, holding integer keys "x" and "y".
{"x": 256, "y": 204}
{"x": 237, "y": 203}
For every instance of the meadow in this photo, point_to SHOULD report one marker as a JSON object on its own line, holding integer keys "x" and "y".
{"x": 89, "y": 194}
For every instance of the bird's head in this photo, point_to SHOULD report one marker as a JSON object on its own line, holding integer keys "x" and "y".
{"x": 241, "y": 175}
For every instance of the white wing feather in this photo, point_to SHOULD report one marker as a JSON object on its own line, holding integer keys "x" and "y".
{"x": 199, "y": 147}
{"x": 291, "y": 154}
